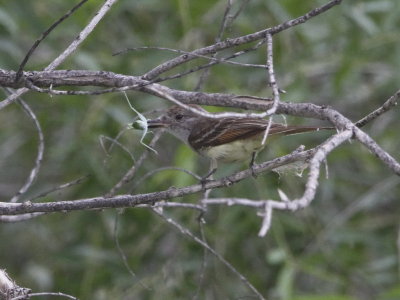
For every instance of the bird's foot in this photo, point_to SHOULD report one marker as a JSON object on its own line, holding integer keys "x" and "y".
{"x": 251, "y": 165}
{"x": 207, "y": 178}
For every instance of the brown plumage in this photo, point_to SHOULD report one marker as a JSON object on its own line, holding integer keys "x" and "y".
{"x": 214, "y": 132}
{"x": 226, "y": 138}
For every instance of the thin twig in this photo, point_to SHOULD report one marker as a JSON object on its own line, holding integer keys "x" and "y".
{"x": 155, "y": 171}
{"x": 132, "y": 171}
{"x": 204, "y": 75}
{"x": 272, "y": 80}
{"x": 373, "y": 146}
{"x": 315, "y": 163}
{"x": 164, "y": 204}
{"x": 82, "y": 35}
{"x": 229, "y": 43}
{"x": 211, "y": 58}
{"x": 186, "y": 232}
{"x": 203, "y": 265}
{"x": 43, "y": 36}
{"x": 241, "y": 8}
{"x": 60, "y": 187}
{"x": 225, "y": 21}
{"x": 114, "y": 142}
{"x": 122, "y": 253}
{"x": 35, "y": 170}
{"x": 68, "y": 51}
{"x": 267, "y": 219}
{"x": 266, "y": 131}
{"x": 391, "y": 102}
{"x": 52, "y": 91}
{"x": 59, "y": 294}
{"x": 212, "y": 63}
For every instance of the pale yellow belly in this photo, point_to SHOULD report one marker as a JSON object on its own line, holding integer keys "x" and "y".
{"x": 240, "y": 150}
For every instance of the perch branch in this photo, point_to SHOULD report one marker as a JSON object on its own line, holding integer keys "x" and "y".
{"x": 121, "y": 201}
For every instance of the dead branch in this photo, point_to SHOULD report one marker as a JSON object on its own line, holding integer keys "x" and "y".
{"x": 67, "y": 52}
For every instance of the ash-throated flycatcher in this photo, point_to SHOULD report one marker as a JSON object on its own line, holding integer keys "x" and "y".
{"x": 226, "y": 139}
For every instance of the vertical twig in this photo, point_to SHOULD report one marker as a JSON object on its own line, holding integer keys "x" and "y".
{"x": 224, "y": 22}
{"x": 122, "y": 253}
{"x": 203, "y": 265}
{"x": 132, "y": 171}
{"x": 35, "y": 171}
{"x": 186, "y": 232}
{"x": 271, "y": 75}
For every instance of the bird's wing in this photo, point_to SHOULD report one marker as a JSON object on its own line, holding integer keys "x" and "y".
{"x": 225, "y": 130}
{"x": 221, "y": 131}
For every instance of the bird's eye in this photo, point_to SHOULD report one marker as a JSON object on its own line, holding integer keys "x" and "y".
{"x": 178, "y": 117}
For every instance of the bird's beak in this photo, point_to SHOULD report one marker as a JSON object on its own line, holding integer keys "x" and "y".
{"x": 157, "y": 123}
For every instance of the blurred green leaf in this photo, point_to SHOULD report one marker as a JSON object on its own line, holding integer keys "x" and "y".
{"x": 285, "y": 282}
{"x": 323, "y": 297}
{"x": 8, "y": 22}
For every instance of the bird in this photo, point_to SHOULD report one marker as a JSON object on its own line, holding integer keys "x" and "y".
{"x": 226, "y": 139}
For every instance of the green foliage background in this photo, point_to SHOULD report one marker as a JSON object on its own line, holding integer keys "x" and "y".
{"x": 344, "y": 246}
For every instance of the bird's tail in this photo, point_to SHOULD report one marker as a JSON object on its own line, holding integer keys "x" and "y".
{"x": 293, "y": 129}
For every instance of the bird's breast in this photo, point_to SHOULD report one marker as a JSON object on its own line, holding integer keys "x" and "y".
{"x": 240, "y": 150}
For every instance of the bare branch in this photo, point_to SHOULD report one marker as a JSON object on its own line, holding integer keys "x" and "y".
{"x": 109, "y": 79}
{"x": 214, "y": 62}
{"x": 286, "y": 204}
{"x": 272, "y": 80}
{"x": 43, "y": 36}
{"x": 125, "y": 82}
{"x": 229, "y": 43}
{"x": 163, "y": 204}
{"x": 82, "y": 35}
{"x": 235, "y": 202}
{"x": 315, "y": 163}
{"x": 370, "y": 144}
{"x": 225, "y": 21}
{"x": 9, "y": 289}
{"x": 225, "y": 60}
{"x": 267, "y": 218}
{"x": 70, "y": 49}
{"x": 391, "y": 102}
{"x": 59, "y": 294}
{"x": 204, "y": 75}
{"x": 121, "y": 201}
